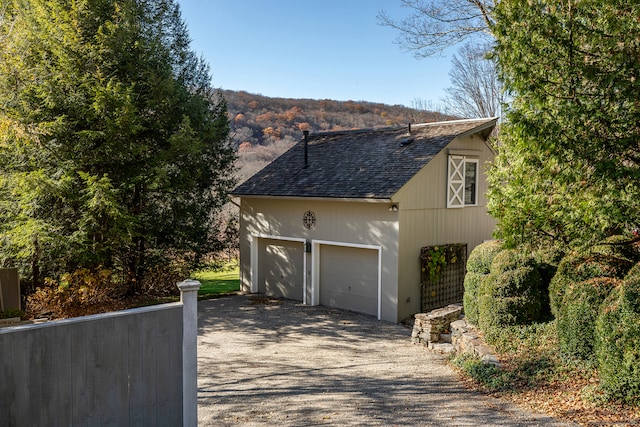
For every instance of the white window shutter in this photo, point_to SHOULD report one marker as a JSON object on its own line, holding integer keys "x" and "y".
{"x": 455, "y": 182}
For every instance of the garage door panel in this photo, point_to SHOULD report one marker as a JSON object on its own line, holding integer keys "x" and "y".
{"x": 281, "y": 272}
{"x": 349, "y": 278}
{"x": 352, "y": 302}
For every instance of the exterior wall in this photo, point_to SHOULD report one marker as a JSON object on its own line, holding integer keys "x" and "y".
{"x": 425, "y": 219}
{"x": 121, "y": 368}
{"x": 361, "y": 223}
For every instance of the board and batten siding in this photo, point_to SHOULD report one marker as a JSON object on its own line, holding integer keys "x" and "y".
{"x": 425, "y": 220}
{"x": 351, "y": 222}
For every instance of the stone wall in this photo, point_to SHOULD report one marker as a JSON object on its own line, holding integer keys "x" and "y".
{"x": 446, "y": 330}
{"x": 433, "y": 328}
{"x": 467, "y": 339}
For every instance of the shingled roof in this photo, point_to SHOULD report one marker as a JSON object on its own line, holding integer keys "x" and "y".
{"x": 359, "y": 164}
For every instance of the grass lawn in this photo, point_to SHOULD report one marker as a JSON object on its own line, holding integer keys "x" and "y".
{"x": 218, "y": 282}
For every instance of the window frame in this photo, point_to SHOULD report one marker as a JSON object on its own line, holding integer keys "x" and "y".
{"x": 456, "y": 181}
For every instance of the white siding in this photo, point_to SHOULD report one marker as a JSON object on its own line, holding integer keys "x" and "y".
{"x": 360, "y": 223}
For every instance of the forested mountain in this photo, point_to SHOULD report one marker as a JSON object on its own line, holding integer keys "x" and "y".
{"x": 263, "y": 127}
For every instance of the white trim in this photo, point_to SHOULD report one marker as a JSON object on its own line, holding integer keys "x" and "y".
{"x": 315, "y": 268}
{"x": 464, "y": 152}
{"x": 477, "y": 182}
{"x": 456, "y": 181}
{"x": 255, "y": 265}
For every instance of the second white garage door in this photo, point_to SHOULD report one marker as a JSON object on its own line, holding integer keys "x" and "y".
{"x": 349, "y": 278}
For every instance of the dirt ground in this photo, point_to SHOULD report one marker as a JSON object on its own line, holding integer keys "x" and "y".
{"x": 270, "y": 362}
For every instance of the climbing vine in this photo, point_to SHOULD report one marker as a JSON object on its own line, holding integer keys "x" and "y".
{"x": 436, "y": 258}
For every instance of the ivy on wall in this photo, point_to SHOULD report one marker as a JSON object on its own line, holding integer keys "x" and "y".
{"x": 442, "y": 278}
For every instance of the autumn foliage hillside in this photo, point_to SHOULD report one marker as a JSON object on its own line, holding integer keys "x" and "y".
{"x": 263, "y": 127}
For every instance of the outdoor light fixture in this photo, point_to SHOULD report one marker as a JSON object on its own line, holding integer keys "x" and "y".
{"x": 393, "y": 208}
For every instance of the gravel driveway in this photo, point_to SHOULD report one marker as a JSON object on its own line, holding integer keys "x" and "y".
{"x": 270, "y": 362}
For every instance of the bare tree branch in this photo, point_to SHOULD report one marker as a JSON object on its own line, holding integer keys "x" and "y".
{"x": 476, "y": 90}
{"x": 435, "y": 25}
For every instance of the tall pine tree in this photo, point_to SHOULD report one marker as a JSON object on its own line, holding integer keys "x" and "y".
{"x": 113, "y": 146}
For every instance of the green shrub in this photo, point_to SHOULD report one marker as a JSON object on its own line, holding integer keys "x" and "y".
{"x": 577, "y": 317}
{"x": 509, "y": 296}
{"x": 11, "y": 312}
{"x": 633, "y": 274}
{"x": 617, "y": 344}
{"x": 511, "y": 259}
{"x": 611, "y": 247}
{"x": 478, "y": 267}
{"x": 576, "y": 268}
{"x": 487, "y": 375}
{"x": 547, "y": 260}
{"x": 470, "y": 300}
{"x": 481, "y": 256}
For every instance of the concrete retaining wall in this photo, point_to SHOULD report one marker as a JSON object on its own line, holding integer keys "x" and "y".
{"x": 114, "y": 369}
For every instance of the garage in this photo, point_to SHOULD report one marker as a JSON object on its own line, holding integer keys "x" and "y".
{"x": 281, "y": 268}
{"x": 349, "y": 278}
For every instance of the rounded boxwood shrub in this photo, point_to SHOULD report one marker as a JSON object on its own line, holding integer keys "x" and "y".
{"x": 478, "y": 267}
{"x": 633, "y": 274}
{"x": 617, "y": 344}
{"x": 616, "y": 246}
{"x": 576, "y": 268}
{"x": 481, "y": 256}
{"x": 577, "y": 317}
{"x": 547, "y": 260}
{"x": 470, "y": 299}
{"x": 510, "y": 295}
{"x": 511, "y": 259}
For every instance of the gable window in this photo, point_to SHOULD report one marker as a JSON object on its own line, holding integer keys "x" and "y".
{"x": 462, "y": 182}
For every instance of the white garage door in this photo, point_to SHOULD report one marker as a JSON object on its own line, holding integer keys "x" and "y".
{"x": 281, "y": 268}
{"x": 349, "y": 278}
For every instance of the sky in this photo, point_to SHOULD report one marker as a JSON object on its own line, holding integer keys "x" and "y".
{"x": 317, "y": 49}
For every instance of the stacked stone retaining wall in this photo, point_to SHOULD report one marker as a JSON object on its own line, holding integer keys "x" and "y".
{"x": 446, "y": 330}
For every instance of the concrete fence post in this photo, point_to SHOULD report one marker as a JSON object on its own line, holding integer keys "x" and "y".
{"x": 189, "y": 298}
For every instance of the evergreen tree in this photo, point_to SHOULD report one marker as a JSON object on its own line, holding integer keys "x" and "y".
{"x": 569, "y": 161}
{"x": 113, "y": 146}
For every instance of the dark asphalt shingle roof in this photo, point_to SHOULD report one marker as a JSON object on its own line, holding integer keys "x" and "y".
{"x": 368, "y": 163}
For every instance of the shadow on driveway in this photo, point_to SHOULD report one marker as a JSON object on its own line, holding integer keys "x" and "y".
{"x": 265, "y": 362}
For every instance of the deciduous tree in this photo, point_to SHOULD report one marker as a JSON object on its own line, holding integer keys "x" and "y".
{"x": 435, "y": 25}
{"x": 475, "y": 89}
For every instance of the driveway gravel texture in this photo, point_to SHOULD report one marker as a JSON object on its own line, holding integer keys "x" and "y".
{"x": 274, "y": 362}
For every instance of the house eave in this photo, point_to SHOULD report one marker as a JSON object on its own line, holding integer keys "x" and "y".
{"x": 484, "y": 130}
{"x": 317, "y": 199}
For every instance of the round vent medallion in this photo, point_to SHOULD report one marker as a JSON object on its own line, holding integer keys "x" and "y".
{"x": 309, "y": 220}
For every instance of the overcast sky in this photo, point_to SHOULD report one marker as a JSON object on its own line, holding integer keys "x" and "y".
{"x": 328, "y": 49}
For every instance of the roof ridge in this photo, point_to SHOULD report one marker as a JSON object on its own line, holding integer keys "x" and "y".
{"x": 398, "y": 127}
{"x": 357, "y": 130}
